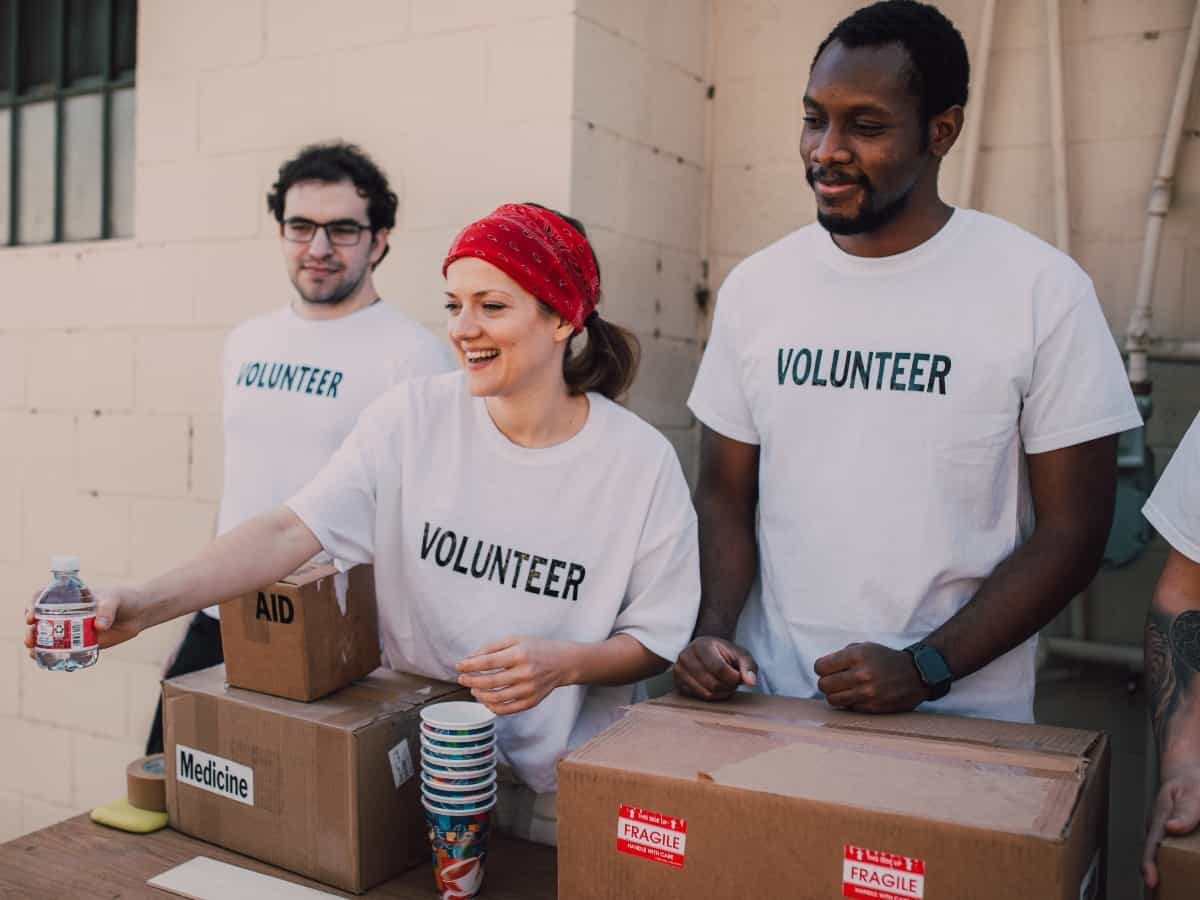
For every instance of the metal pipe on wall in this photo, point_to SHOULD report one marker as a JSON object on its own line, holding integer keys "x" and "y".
{"x": 1129, "y": 655}
{"x": 1174, "y": 350}
{"x": 1058, "y": 128}
{"x": 966, "y": 185}
{"x": 1137, "y": 341}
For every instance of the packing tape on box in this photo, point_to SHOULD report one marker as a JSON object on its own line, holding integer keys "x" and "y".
{"x": 146, "y": 783}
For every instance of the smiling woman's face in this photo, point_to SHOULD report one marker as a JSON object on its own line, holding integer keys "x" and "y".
{"x": 504, "y": 339}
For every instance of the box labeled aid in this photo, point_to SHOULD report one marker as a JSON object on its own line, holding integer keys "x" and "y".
{"x": 328, "y": 789}
{"x": 303, "y": 637}
{"x": 777, "y": 797}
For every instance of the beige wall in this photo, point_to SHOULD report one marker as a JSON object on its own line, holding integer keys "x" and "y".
{"x": 109, "y": 385}
{"x": 109, "y": 395}
{"x": 637, "y": 180}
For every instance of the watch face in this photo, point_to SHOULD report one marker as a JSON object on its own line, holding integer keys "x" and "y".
{"x": 934, "y": 671}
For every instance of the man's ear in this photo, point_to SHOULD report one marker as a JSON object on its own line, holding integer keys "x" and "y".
{"x": 379, "y": 246}
{"x": 944, "y": 129}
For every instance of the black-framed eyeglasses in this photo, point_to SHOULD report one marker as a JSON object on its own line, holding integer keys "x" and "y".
{"x": 340, "y": 233}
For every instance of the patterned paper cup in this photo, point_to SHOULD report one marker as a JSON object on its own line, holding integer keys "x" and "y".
{"x": 456, "y": 737}
{"x": 457, "y": 716}
{"x": 452, "y": 777}
{"x": 458, "y": 745}
{"x": 459, "y": 843}
{"x": 452, "y": 763}
{"x": 462, "y": 802}
{"x": 451, "y": 790}
{"x": 475, "y": 752}
{"x": 431, "y": 807}
{"x": 461, "y": 809}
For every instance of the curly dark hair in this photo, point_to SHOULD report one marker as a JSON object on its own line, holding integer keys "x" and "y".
{"x": 939, "y": 70}
{"x": 338, "y": 161}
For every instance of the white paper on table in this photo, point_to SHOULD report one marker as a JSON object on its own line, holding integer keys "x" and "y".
{"x": 202, "y": 878}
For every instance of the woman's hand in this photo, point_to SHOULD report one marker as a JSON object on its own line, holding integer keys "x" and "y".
{"x": 120, "y": 615}
{"x": 517, "y": 673}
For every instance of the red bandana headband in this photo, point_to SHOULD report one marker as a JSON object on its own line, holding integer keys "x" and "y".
{"x": 541, "y": 252}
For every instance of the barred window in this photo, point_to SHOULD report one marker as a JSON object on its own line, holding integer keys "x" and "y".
{"x": 66, "y": 119}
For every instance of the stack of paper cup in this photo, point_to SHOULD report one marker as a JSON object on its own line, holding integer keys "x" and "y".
{"x": 458, "y": 789}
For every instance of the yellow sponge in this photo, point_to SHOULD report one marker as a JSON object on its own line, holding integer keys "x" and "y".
{"x": 119, "y": 814}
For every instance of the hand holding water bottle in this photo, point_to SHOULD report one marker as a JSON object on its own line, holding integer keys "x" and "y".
{"x": 68, "y": 624}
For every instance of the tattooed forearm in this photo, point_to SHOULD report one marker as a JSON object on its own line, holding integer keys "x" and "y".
{"x": 1160, "y": 673}
{"x": 1172, "y": 664}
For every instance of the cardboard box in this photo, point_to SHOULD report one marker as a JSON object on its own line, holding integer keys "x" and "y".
{"x": 1179, "y": 868}
{"x": 777, "y": 797}
{"x": 292, "y": 640}
{"x": 325, "y": 789}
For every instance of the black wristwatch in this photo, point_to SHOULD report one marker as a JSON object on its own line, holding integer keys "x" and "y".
{"x": 932, "y": 668}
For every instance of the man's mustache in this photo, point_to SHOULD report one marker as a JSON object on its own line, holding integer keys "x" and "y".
{"x": 833, "y": 177}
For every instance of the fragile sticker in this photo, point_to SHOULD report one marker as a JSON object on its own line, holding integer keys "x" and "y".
{"x": 651, "y": 835}
{"x": 875, "y": 875}
{"x": 401, "y": 762}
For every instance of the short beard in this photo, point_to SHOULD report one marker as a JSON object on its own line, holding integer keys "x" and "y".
{"x": 335, "y": 298}
{"x": 868, "y": 219}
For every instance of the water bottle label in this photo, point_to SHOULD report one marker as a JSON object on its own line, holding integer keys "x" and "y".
{"x": 66, "y": 632}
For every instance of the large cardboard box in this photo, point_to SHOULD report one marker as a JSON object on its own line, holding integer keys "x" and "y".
{"x": 1179, "y": 868}
{"x": 776, "y": 797}
{"x": 293, "y": 640}
{"x": 325, "y": 789}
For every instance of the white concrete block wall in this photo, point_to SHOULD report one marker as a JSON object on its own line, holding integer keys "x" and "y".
{"x": 109, "y": 351}
{"x": 641, "y": 113}
{"x": 602, "y": 108}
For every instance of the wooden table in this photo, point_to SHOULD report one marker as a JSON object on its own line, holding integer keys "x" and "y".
{"x": 78, "y": 858}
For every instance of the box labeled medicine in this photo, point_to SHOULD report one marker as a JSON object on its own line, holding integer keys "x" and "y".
{"x": 327, "y": 789}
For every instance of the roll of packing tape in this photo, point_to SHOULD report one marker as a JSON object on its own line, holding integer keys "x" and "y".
{"x": 146, "y": 783}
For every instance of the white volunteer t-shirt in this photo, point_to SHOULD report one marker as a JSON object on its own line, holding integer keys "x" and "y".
{"x": 475, "y": 539}
{"x": 293, "y": 389}
{"x": 894, "y": 400}
{"x": 1174, "y": 505}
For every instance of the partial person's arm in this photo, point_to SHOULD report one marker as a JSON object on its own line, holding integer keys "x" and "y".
{"x": 530, "y": 668}
{"x": 1173, "y": 686}
{"x": 1074, "y": 490}
{"x": 259, "y": 551}
{"x": 712, "y": 666}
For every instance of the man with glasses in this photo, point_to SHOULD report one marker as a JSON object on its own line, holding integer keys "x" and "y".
{"x": 296, "y": 379}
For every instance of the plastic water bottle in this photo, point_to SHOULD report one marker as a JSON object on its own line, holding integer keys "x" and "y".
{"x": 65, "y": 620}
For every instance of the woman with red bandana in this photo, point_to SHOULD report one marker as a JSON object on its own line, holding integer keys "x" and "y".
{"x": 531, "y": 538}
